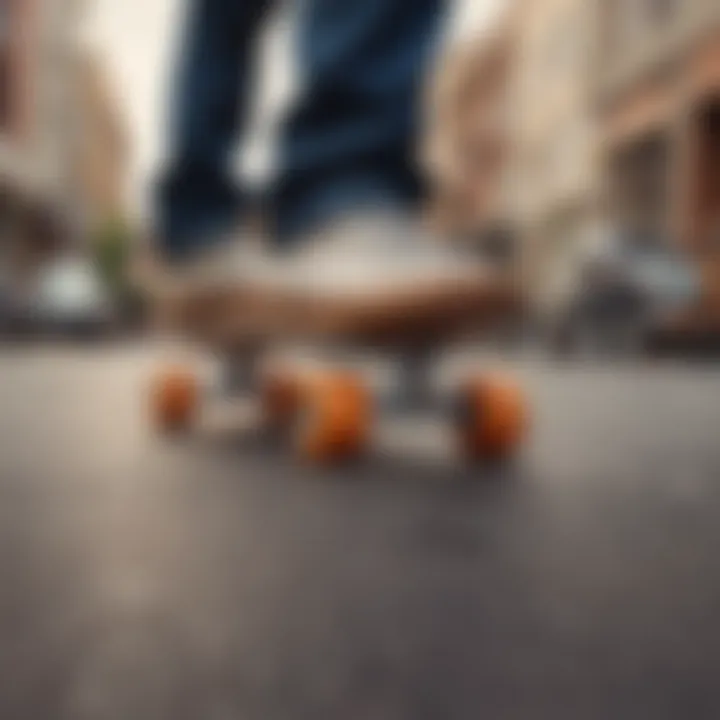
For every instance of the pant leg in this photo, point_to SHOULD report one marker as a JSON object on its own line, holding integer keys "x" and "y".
{"x": 197, "y": 196}
{"x": 351, "y": 139}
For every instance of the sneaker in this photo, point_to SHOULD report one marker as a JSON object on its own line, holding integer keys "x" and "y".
{"x": 373, "y": 278}
{"x": 224, "y": 262}
{"x": 377, "y": 277}
{"x": 372, "y": 255}
{"x": 183, "y": 295}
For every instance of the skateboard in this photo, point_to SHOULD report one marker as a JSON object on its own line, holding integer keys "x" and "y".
{"x": 326, "y": 413}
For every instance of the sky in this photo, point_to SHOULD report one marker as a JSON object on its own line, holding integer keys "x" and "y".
{"x": 134, "y": 40}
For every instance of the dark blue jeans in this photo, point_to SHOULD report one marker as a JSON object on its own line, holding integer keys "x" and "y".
{"x": 348, "y": 142}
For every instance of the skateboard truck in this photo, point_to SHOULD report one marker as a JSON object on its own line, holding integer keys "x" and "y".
{"x": 239, "y": 373}
{"x": 414, "y": 390}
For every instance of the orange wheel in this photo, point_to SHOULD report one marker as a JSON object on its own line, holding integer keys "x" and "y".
{"x": 492, "y": 418}
{"x": 175, "y": 399}
{"x": 334, "y": 417}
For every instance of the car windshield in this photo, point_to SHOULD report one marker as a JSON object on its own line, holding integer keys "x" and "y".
{"x": 70, "y": 284}
{"x": 665, "y": 270}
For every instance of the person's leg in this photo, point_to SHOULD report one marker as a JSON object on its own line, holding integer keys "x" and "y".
{"x": 197, "y": 197}
{"x": 351, "y": 140}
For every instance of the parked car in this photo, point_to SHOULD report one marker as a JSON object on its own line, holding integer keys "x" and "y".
{"x": 70, "y": 300}
{"x": 16, "y": 317}
{"x": 621, "y": 294}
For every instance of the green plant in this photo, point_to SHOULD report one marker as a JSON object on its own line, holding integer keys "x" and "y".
{"x": 112, "y": 247}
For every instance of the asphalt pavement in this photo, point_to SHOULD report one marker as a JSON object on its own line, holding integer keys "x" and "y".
{"x": 215, "y": 578}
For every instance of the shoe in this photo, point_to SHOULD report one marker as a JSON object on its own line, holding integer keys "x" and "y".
{"x": 182, "y": 294}
{"x": 373, "y": 277}
{"x": 378, "y": 254}
{"x": 384, "y": 275}
{"x": 222, "y": 264}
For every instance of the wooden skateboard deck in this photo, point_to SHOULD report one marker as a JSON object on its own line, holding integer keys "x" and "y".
{"x": 225, "y": 318}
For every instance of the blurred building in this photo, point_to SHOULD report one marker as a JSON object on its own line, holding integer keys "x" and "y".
{"x": 37, "y": 125}
{"x": 103, "y": 150}
{"x": 468, "y": 143}
{"x": 555, "y": 170}
{"x": 659, "y": 99}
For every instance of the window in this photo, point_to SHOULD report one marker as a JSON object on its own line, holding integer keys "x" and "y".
{"x": 630, "y": 22}
{"x": 618, "y": 25}
{"x": 660, "y": 11}
{"x": 5, "y": 62}
{"x": 4, "y": 20}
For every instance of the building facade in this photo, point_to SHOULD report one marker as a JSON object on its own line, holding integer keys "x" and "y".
{"x": 659, "y": 97}
{"x": 468, "y": 144}
{"x": 38, "y": 130}
{"x": 555, "y": 176}
{"x": 659, "y": 100}
{"x": 103, "y": 148}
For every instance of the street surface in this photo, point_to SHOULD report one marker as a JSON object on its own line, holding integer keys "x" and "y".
{"x": 214, "y": 578}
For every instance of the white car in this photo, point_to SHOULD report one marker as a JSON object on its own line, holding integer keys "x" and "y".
{"x": 70, "y": 298}
{"x": 622, "y": 294}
